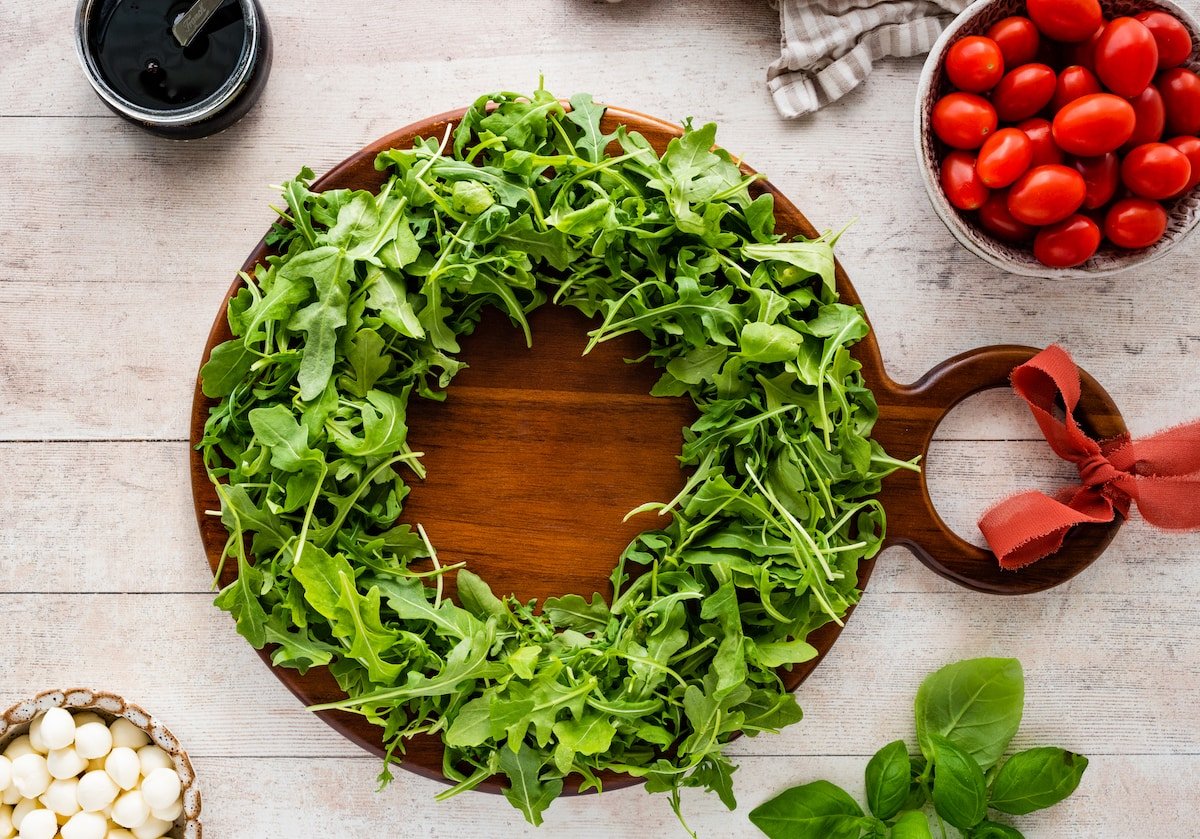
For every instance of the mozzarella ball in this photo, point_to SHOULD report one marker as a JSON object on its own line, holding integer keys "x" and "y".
{"x": 58, "y": 728}
{"x": 152, "y": 757}
{"x": 6, "y": 826}
{"x": 123, "y": 766}
{"x": 38, "y": 824}
{"x": 96, "y": 791}
{"x": 85, "y": 826}
{"x": 18, "y": 747}
{"x": 35, "y": 736}
{"x": 24, "y": 808}
{"x": 130, "y": 810}
{"x": 93, "y": 740}
{"x": 10, "y": 796}
{"x": 119, "y": 833}
{"x": 161, "y": 788}
{"x": 125, "y": 733}
{"x": 152, "y": 828}
{"x": 65, "y": 763}
{"x": 61, "y": 797}
{"x": 169, "y": 814}
{"x": 82, "y": 717}
{"x": 5, "y": 773}
{"x": 30, "y": 775}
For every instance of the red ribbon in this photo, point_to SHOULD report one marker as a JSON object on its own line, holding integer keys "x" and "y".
{"x": 1160, "y": 474}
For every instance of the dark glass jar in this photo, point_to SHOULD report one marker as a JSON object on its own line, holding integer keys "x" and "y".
{"x": 243, "y": 74}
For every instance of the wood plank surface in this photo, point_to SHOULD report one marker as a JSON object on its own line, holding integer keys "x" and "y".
{"x": 116, "y": 248}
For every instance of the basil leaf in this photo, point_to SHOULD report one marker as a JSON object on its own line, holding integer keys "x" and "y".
{"x": 911, "y": 824}
{"x": 888, "y": 780}
{"x": 1035, "y": 779}
{"x": 995, "y": 830}
{"x": 975, "y": 703}
{"x": 819, "y": 810}
{"x": 959, "y": 789}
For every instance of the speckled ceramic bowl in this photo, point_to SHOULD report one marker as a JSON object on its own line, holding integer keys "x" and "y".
{"x": 1183, "y": 213}
{"x": 15, "y": 722}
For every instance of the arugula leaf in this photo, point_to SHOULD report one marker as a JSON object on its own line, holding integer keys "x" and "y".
{"x": 329, "y": 270}
{"x": 226, "y": 367}
{"x": 280, "y": 432}
{"x": 527, "y": 791}
{"x": 387, "y": 296}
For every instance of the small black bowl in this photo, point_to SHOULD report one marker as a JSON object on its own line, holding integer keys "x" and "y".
{"x": 216, "y": 112}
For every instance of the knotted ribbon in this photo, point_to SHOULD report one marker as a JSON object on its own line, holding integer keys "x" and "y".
{"x": 1160, "y": 474}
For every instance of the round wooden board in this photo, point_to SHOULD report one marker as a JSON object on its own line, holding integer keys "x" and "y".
{"x": 537, "y": 455}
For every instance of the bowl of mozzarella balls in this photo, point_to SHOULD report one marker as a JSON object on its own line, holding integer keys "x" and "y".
{"x": 1059, "y": 138}
{"x": 82, "y": 764}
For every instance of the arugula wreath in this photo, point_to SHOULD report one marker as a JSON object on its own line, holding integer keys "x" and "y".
{"x": 361, "y": 309}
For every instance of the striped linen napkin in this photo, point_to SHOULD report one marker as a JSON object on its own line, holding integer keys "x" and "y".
{"x": 830, "y": 45}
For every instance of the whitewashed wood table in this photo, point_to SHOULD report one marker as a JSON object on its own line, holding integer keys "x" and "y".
{"x": 116, "y": 248}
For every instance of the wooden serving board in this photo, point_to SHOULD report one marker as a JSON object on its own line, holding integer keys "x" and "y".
{"x": 537, "y": 455}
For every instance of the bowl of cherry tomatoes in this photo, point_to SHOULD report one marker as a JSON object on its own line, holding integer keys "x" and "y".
{"x": 1061, "y": 138}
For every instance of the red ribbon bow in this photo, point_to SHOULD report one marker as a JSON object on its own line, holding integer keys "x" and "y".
{"x": 1160, "y": 474}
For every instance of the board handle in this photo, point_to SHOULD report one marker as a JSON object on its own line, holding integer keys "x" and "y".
{"x": 908, "y": 417}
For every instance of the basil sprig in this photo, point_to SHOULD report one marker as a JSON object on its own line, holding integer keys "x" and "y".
{"x": 966, "y": 713}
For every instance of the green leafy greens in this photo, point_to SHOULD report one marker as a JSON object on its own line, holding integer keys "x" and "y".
{"x": 967, "y": 713}
{"x": 361, "y": 309}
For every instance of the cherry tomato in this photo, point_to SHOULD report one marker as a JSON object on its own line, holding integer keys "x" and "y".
{"x": 1005, "y": 156}
{"x": 1017, "y": 38}
{"x": 1190, "y": 146}
{"x": 1156, "y": 170}
{"x": 1135, "y": 223}
{"x": 1102, "y": 175}
{"x": 1084, "y": 53}
{"x": 1126, "y": 57}
{"x": 1023, "y": 92}
{"x": 1073, "y": 83}
{"x": 961, "y": 183}
{"x": 1094, "y": 125}
{"x": 1070, "y": 21}
{"x": 1040, "y": 133}
{"x": 997, "y": 220}
{"x": 1173, "y": 39}
{"x": 1071, "y": 242}
{"x": 1046, "y": 195}
{"x": 1150, "y": 118}
{"x": 963, "y": 120}
{"x": 1180, "y": 91}
{"x": 975, "y": 64}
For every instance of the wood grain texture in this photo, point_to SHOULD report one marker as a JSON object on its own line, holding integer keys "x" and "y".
{"x": 115, "y": 250}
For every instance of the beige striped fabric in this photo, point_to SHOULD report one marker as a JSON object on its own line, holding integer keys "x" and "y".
{"x": 829, "y": 46}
